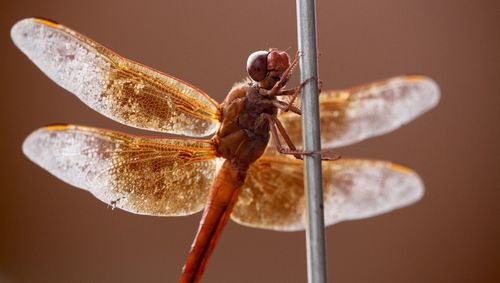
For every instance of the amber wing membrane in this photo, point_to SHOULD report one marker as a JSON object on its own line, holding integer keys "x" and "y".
{"x": 273, "y": 194}
{"x": 118, "y": 88}
{"x": 352, "y": 115}
{"x": 152, "y": 176}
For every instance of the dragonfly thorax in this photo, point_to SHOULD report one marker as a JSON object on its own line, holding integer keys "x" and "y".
{"x": 245, "y": 131}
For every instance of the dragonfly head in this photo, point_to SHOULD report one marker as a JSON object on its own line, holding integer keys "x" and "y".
{"x": 267, "y": 67}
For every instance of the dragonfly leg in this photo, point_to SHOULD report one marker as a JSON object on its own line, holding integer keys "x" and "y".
{"x": 284, "y": 106}
{"x": 277, "y": 141}
{"x": 277, "y": 129}
{"x": 296, "y": 92}
{"x": 293, "y": 93}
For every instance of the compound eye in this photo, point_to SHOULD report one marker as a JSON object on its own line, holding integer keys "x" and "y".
{"x": 257, "y": 65}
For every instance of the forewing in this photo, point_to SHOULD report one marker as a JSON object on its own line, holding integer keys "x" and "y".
{"x": 273, "y": 194}
{"x": 153, "y": 176}
{"x": 114, "y": 86}
{"x": 352, "y": 115}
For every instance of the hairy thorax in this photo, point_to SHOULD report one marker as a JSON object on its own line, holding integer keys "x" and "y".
{"x": 245, "y": 131}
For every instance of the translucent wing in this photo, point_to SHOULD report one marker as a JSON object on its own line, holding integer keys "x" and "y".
{"x": 352, "y": 115}
{"x": 273, "y": 194}
{"x": 114, "y": 86}
{"x": 157, "y": 176}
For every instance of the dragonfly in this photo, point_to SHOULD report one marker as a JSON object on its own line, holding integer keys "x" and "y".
{"x": 226, "y": 159}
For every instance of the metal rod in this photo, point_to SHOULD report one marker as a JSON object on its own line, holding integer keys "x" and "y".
{"x": 315, "y": 229}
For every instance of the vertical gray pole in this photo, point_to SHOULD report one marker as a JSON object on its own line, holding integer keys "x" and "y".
{"x": 315, "y": 229}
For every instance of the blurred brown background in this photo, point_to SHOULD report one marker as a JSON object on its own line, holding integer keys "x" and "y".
{"x": 50, "y": 232}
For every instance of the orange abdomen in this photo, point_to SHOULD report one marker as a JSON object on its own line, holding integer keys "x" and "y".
{"x": 221, "y": 200}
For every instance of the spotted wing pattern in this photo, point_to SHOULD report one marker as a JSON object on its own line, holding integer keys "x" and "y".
{"x": 118, "y": 88}
{"x": 352, "y": 115}
{"x": 273, "y": 194}
{"x": 152, "y": 176}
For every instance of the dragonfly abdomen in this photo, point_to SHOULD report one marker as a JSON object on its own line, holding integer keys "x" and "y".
{"x": 221, "y": 200}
